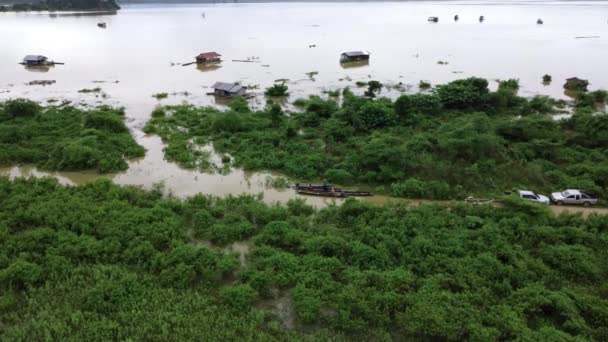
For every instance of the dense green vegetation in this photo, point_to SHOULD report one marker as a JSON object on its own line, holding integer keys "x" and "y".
{"x": 459, "y": 139}
{"x": 103, "y": 262}
{"x": 277, "y": 90}
{"x": 65, "y": 138}
{"x": 62, "y": 5}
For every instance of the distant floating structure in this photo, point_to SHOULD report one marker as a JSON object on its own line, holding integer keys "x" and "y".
{"x": 354, "y": 56}
{"x": 208, "y": 57}
{"x": 481, "y": 18}
{"x": 456, "y": 17}
{"x": 433, "y": 19}
{"x": 539, "y": 21}
{"x": 101, "y": 25}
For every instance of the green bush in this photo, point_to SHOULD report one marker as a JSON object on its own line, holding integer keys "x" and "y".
{"x": 277, "y": 90}
{"x": 66, "y": 138}
{"x": 21, "y": 108}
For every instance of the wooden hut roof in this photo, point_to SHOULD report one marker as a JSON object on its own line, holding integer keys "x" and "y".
{"x": 228, "y": 87}
{"x": 356, "y": 53}
{"x": 207, "y": 55}
{"x": 34, "y": 58}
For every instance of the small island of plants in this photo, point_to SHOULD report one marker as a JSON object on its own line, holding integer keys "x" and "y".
{"x": 65, "y": 137}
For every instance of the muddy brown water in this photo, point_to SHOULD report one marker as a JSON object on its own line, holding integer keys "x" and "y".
{"x": 139, "y": 53}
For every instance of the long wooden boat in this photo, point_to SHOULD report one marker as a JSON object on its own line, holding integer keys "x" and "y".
{"x": 356, "y": 193}
{"x": 320, "y": 187}
{"x": 322, "y": 193}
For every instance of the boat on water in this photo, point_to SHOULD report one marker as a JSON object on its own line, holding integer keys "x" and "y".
{"x": 327, "y": 190}
{"x": 337, "y": 194}
{"x": 102, "y": 25}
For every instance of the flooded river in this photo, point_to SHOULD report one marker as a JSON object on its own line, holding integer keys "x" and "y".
{"x": 139, "y": 53}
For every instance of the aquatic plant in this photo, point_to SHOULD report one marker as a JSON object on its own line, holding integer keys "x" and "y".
{"x": 160, "y": 96}
{"x": 373, "y": 87}
{"x": 277, "y": 90}
{"x": 93, "y": 90}
{"x": 424, "y": 85}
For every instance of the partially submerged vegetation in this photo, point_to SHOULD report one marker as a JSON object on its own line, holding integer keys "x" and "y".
{"x": 277, "y": 90}
{"x": 64, "y": 137}
{"x": 458, "y": 140}
{"x": 118, "y": 263}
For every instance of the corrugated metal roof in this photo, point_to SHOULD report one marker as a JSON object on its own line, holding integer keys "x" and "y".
{"x": 228, "y": 87}
{"x": 207, "y": 55}
{"x": 34, "y": 58}
{"x": 356, "y": 53}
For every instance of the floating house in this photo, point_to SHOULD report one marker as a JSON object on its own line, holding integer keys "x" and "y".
{"x": 35, "y": 60}
{"x": 208, "y": 57}
{"x": 539, "y": 21}
{"x": 352, "y": 56}
{"x": 102, "y": 25}
{"x": 434, "y": 19}
{"x": 228, "y": 89}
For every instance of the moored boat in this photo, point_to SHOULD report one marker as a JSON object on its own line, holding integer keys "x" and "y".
{"x": 322, "y": 193}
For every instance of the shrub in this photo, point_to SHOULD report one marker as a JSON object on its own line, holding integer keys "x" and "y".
{"x": 277, "y": 90}
{"x": 21, "y": 108}
{"x": 423, "y": 85}
{"x": 339, "y": 176}
{"x": 158, "y": 112}
{"x": 463, "y": 94}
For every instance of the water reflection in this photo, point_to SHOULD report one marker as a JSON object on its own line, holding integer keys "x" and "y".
{"x": 354, "y": 64}
{"x": 208, "y": 67}
{"x": 38, "y": 68}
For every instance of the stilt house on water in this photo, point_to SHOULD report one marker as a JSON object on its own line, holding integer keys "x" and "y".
{"x": 208, "y": 57}
{"x": 352, "y": 56}
{"x": 228, "y": 89}
{"x": 35, "y": 60}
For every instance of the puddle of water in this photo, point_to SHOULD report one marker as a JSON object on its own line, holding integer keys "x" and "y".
{"x": 282, "y": 307}
{"x": 242, "y": 248}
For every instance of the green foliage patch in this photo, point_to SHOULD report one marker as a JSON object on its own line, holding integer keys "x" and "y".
{"x": 460, "y": 139}
{"x": 106, "y": 262}
{"x": 65, "y": 138}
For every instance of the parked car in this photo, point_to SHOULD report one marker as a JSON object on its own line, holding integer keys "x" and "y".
{"x": 529, "y": 195}
{"x": 573, "y": 196}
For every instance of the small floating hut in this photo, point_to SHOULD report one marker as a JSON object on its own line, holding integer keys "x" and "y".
{"x": 35, "y": 60}
{"x": 208, "y": 57}
{"x": 539, "y": 21}
{"x": 481, "y": 18}
{"x": 228, "y": 89}
{"x": 353, "y": 56}
{"x": 101, "y": 25}
{"x": 576, "y": 84}
{"x": 433, "y": 19}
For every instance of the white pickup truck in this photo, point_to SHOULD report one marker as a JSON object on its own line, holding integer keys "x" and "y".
{"x": 531, "y": 196}
{"x": 572, "y": 196}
